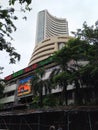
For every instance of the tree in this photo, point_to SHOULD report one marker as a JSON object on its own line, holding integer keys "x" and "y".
{"x": 61, "y": 76}
{"x": 7, "y": 26}
{"x": 83, "y": 51}
{"x": 12, "y": 2}
{"x": 62, "y": 80}
{"x": 38, "y": 84}
{"x": 7, "y": 18}
{"x": 67, "y": 58}
{"x": 89, "y": 72}
{"x": 79, "y": 54}
{"x": 70, "y": 58}
{"x": 89, "y": 34}
{"x": 2, "y": 84}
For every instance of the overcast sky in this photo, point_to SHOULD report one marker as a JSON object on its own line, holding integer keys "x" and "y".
{"x": 75, "y": 11}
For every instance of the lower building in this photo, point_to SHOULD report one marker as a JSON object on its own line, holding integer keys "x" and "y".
{"x": 18, "y": 89}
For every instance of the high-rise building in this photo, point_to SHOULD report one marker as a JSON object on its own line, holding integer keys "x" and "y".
{"x": 48, "y": 25}
{"x": 51, "y": 34}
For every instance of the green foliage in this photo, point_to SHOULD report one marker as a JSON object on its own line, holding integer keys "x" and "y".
{"x": 88, "y": 33}
{"x": 12, "y": 2}
{"x": 50, "y": 100}
{"x": 61, "y": 78}
{"x": 78, "y": 49}
{"x": 7, "y": 18}
{"x": 6, "y": 28}
{"x": 72, "y": 57}
{"x": 38, "y": 83}
{"x": 35, "y": 102}
{"x": 1, "y": 106}
{"x": 1, "y": 87}
{"x": 61, "y": 57}
{"x": 89, "y": 74}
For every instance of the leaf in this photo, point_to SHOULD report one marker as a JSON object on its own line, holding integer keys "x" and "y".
{"x": 12, "y": 2}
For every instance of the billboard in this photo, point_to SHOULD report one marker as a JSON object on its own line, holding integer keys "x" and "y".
{"x": 29, "y": 68}
{"x": 24, "y": 86}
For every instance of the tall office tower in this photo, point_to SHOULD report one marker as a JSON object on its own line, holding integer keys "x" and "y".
{"x": 48, "y": 25}
{"x": 51, "y": 35}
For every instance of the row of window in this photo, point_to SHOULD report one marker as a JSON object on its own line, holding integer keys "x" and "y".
{"x": 54, "y": 19}
{"x": 39, "y": 48}
{"x": 41, "y": 56}
{"x": 38, "y": 51}
{"x": 56, "y": 27}
{"x": 11, "y": 93}
{"x": 45, "y": 50}
{"x": 51, "y": 22}
{"x": 60, "y": 45}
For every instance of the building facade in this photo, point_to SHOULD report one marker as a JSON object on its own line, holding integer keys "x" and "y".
{"x": 47, "y": 47}
{"x": 50, "y": 32}
{"x": 18, "y": 87}
{"x": 51, "y": 35}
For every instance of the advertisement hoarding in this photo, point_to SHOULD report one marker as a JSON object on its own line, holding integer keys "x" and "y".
{"x": 24, "y": 86}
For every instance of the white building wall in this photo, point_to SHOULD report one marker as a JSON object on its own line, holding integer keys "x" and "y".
{"x": 7, "y": 99}
{"x": 11, "y": 98}
{"x": 10, "y": 88}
